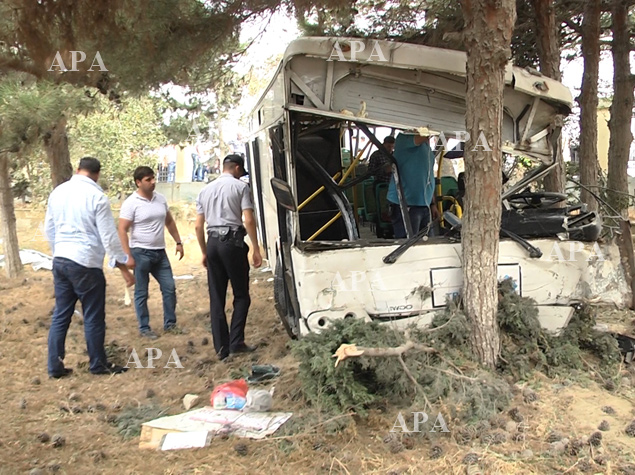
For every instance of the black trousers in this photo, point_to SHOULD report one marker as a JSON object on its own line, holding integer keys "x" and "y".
{"x": 227, "y": 262}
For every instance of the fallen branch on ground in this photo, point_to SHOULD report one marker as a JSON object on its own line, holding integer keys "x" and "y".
{"x": 351, "y": 350}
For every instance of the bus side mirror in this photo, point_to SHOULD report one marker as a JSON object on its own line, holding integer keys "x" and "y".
{"x": 284, "y": 195}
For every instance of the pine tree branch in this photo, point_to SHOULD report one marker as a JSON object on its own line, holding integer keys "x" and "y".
{"x": 450, "y": 373}
{"x": 350, "y": 351}
{"x": 573, "y": 25}
{"x": 414, "y": 381}
{"x": 396, "y": 351}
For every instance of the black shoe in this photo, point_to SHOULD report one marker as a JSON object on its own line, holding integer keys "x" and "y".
{"x": 65, "y": 372}
{"x": 111, "y": 369}
{"x": 244, "y": 348}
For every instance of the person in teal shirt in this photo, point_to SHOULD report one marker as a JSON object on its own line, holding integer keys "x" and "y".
{"x": 415, "y": 161}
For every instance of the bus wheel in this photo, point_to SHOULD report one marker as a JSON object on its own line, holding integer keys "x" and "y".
{"x": 282, "y": 303}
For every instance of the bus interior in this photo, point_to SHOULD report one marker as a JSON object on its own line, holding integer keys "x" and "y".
{"x": 341, "y": 204}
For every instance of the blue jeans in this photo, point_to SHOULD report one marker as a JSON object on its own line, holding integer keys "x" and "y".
{"x": 155, "y": 262}
{"x": 74, "y": 282}
{"x": 419, "y": 218}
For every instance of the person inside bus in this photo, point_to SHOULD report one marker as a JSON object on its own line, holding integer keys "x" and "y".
{"x": 415, "y": 162}
{"x": 379, "y": 164}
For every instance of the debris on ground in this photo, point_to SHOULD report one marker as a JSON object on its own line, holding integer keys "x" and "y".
{"x": 435, "y": 366}
{"x": 251, "y": 425}
{"x": 190, "y": 400}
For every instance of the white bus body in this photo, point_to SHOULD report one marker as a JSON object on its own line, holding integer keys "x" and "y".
{"x": 322, "y": 87}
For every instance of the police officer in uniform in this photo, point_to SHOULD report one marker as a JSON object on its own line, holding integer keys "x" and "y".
{"x": 221, "y": 206}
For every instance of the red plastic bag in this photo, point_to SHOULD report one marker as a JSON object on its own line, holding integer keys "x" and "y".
{"x": 231, "y": 395}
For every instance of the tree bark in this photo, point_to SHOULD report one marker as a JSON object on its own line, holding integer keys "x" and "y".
{"x": 56, "y": 146}
{"x": 549, "y": 55}
{"x": 547, "y": 34}
{"x": 12, "y": 262}
{"x": 589, "y": 101}
{"x": 487, "y": 37}
{"x": 620, "y": 139}
{"x": 621, "y": 110}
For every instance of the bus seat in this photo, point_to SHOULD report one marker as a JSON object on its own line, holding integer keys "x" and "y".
{"x": 449, "y": 186}
{"x": 370, "y": 202}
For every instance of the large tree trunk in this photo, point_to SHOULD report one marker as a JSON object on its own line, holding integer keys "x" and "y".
{"x": 56, "y": 146}
{"x": 589, "y": 101}
{"x": 547, "y": 34}
{"x": 621, "y": 109}
{"x": 487, "y": 38}
{"x": 549, "y": 55}
{"x": 12, "y": 262}
{"x": 620, "y": 131}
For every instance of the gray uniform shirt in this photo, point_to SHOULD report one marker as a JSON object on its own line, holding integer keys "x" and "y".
{"x": 222, "y": 202}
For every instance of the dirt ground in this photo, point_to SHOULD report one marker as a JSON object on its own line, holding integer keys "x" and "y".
{"x": 79, "y": 408}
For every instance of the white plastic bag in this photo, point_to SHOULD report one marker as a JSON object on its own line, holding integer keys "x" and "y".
{"x": 259, "y": 400}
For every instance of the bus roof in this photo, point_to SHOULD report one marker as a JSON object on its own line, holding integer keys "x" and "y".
{"x": 425, "y": 58}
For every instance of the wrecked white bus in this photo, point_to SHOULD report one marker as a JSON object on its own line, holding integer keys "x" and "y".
{"x": 322, "y": 220}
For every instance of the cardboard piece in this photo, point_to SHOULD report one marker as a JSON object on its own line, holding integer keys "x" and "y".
{"x": 185, "y": 440}
{"x": 252, "y": 425}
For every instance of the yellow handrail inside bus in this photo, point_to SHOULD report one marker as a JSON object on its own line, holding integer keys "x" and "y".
{"x": 354, "y": 164}
{"x": 325, "y": 227}
{"x": 339, "y": 213}
{"x": 318, "y": 191}
{"x": 456, "y": 206}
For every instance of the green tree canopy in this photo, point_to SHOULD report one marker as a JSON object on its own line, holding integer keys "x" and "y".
{"x": 29, "y": 107}
{"x": 122, "y": 137}
{"x": 142, "y": 44}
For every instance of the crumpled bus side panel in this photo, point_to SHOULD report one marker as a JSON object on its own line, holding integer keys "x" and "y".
{"x": 341, "y": 283}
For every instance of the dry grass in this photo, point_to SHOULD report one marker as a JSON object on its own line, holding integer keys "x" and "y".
{"x": 93, "y": 445}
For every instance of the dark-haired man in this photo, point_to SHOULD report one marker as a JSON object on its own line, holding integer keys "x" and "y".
{"x": 379, "y": 164}
{"x": 222, "y": 205}
{"x": 80, "y": 230}
{"x": 145, "y": 214}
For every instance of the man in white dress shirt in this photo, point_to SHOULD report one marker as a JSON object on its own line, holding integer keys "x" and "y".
{"x": 80, "y": 229}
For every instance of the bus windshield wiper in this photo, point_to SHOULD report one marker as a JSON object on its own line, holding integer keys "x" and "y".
{"x": 394, "y": 255}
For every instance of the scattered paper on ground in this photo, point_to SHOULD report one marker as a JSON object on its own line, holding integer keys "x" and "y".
{"x": 252, "y": 425}
{"x": 37, "y": 259}
{"x": 184, "y": 277}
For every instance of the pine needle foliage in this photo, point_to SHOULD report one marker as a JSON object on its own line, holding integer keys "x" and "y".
{"x": 28, "y": 108}
{"x": 451, "y": 377}
{"x": 129, "y": 422}
{"x": 526, "y": 346}
{"x": 142, "y": 44}
{"x": 357, "y": 383}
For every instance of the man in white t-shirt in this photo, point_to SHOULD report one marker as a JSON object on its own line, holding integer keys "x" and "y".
{"x": 145, "y": 214}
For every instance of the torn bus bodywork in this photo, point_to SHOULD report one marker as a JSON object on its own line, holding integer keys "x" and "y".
{"x": 304, "y": 150}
